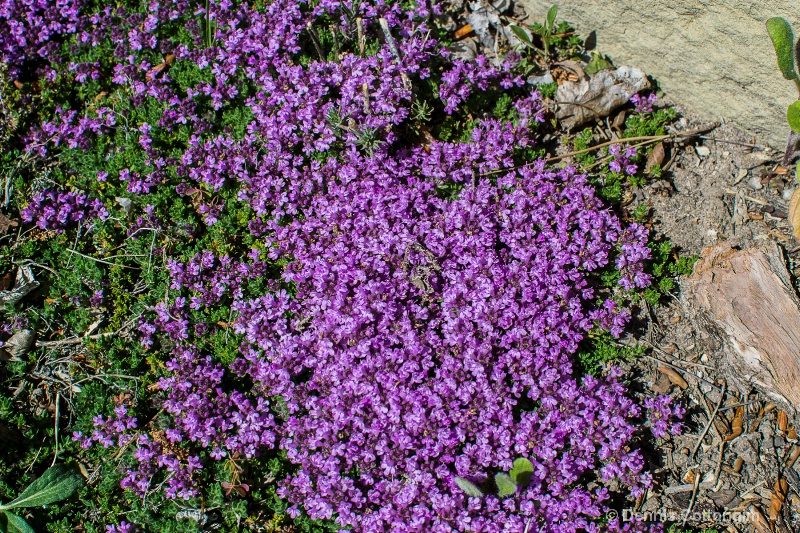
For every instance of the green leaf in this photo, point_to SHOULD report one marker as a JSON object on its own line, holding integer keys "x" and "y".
{"x": 505, "y": 485}
{"x": 11, "y": 523}
{"x": 58, "y": 482}
{"x": 551, "y": 17}
{"x": 521, "y": 34}
{"x": 780, "y": 31}
{"x": 793, "y": 116}
{"x": 469, "y": 488}
{"x": 596, "y": 64}
{"x": 522, "y": 471}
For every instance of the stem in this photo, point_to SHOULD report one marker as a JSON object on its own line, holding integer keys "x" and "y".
{"x": 646, "y": 138}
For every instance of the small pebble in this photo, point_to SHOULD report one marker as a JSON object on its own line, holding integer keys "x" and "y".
{"x": 703, "y": 151}
{"x": 787, "y": 194}
{"x": 742, "y": 174}
{"x": 755, "y": 183}
{"x": 738, "y": 464}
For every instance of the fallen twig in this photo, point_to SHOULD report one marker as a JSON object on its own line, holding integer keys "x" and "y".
{"x": 707, "y": 382}
{"x": 102, "y": 261}
{"x": 710, "y": 421}
{"x": 73, "y": 340}
{"x": 646, "y": 138}
{"x": 694, "y": 497}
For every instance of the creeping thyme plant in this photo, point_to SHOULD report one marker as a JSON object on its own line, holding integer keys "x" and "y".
{"x": 303, "y": 265}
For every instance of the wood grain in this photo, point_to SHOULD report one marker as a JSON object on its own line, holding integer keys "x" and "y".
{"x": 746, "y": 298}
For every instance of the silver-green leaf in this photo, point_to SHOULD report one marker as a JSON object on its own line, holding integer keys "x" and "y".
{"x": 780, "y": 31}
{"x": 521, "y": 34}
{"x": 11, "y": 523}
{"x": 521, "y": 471}
{"x": 793, "y": 116}
{"x": 551, "y": 17}
{"x": 469, "y": 488}
{"x": 58, "y": 482}
{"x": 505, "y": 485}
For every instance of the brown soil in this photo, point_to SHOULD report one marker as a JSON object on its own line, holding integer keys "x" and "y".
{"x": 723, "y": 187}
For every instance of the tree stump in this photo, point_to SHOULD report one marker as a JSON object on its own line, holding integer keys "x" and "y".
{"x": 743, "y": 305}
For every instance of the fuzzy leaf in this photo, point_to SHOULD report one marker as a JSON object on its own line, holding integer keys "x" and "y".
{"x": 522, "y": 471}
{"x": 521, "y": 34}
{"x": 57, "y": 483}
{"x": 505, "y": 485}
{"x": 11, "y": 523}
{"x": 551, "y": 17}
{"x": 780, "y": 31}
{"x": 793, "y": 116}
{"x": 469, "y": 488}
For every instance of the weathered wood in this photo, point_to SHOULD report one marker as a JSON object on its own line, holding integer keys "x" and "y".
{"x": 744, "y": 299}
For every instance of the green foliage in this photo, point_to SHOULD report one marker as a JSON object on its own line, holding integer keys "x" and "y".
{"x": 548, "y": 90}
{"x": 597, "y": 63}
{"x": 780, "y": 31}
{"x": 553, "y": 37}
{"x": 788, "y": 53}
{"x": 600, "y": 348}
{"x": 665, "y": 266}
{"x": 647, "y": 124}
{"x": 522, "y": 471}
{"x": 675, "y": 528}
{"x": 505, "y": 485}
{"x": 57, "y": 483}
{"x": 469, "y": 488}
{"x": 793, "y": 116}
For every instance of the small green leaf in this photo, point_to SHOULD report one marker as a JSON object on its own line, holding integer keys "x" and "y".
{"x": 551, "y": 17}
{"x": 11, "y": 523}
{"x": 58, "y": 482}
{"x": 505, "y": 485}
{"x": 521, "y": 34}
{"x": 469, "y": 488}
{"x": 596, "y": 64}
{"x": 522, "y": 471}
{"x": 780, "y": 31}
{"x": 793, "y": 116}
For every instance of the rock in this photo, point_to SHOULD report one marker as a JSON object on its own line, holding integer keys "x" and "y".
{"x": 584, "y": 100}
{"x": 703, "y": 151}
{"x": 540, "y": 79}
{"x": 714, "y": 57}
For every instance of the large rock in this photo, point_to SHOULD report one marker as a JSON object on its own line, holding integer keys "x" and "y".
{"x": 712, "y": 56}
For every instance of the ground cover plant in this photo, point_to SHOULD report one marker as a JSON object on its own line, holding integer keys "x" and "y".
{"x": 298, "y": 269}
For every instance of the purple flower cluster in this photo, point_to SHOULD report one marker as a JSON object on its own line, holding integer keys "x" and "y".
{"x": 644, "y": 104}
{"x": 622, "y": 159}
{"x": 413, "y": 336}
{"x": 663, "y": 416}
{"x": 54, "y": 210}
{"x": 34, "y": 29}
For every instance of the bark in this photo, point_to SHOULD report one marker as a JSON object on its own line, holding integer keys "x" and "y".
{"x": 743, "y": 303}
